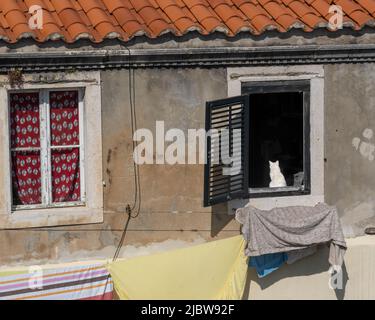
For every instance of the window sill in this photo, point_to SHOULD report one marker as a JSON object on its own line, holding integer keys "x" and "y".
{"x": 277, "y": 192}
{"x": 44, "y": 207}
{"x": 270, "y": 202}
{"x": 50, "y": 217}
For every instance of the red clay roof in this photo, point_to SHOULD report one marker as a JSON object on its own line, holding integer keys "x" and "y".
{"x": 71, "y": 20}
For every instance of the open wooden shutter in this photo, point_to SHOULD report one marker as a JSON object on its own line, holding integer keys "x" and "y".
{"x": 232, "y": 116}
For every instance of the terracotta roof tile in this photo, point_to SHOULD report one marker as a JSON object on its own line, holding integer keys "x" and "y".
{"x": 97, "y": 20}
{"x": 369, "y": 5}
{"x": 321, "y": 6}
{"x": 60, "y": 5}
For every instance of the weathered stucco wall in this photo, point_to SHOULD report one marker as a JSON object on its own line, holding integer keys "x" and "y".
{"x": 350, "y": 179}
{"x": 171, "y": 196}
{"x": 171, "y": 205}
{"x": 309, "y": 279}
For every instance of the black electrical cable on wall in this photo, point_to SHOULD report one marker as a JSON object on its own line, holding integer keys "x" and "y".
{"x": 133, "y": 210}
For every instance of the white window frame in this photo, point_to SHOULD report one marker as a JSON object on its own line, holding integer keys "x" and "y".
{"x": 46, "y": 149}
{"x": 314, "y": 74}
{"x": 90, "y": 208}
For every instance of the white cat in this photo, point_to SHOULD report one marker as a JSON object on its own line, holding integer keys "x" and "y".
{"x": 277, "y": 178}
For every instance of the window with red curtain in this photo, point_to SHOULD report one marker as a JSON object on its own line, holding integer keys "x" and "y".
{"x": 45, "y": 150}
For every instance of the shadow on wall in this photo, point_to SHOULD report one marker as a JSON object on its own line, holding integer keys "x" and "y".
{"x": 220, "y": 219}
{"x": 293, "y": 280}
{"x": 340, "y": 294}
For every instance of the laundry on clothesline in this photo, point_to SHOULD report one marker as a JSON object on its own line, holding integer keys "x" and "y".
{"x": 210, "y": 271}
{"x": 293, "y": 230}
{"x": 65, "y": 282}
{"x": 267, "y": 263}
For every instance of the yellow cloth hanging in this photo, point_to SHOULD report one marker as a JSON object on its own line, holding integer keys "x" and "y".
{"x": 211, "y": 271}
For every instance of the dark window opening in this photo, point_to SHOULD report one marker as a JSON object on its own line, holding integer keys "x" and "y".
{"x": 279, "y": 137}
{"x": 276, "y": 135}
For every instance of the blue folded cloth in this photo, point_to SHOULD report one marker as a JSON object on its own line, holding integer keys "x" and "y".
{"x": 268, "y": 263}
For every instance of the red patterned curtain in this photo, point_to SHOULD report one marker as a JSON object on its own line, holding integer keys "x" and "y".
{"x": 65, "y": 146}
{"x": 25, "y": 144}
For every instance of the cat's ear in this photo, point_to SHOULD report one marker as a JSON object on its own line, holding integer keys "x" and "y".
{"x": 271, "y": 163}
{"x": 277, "y": 162}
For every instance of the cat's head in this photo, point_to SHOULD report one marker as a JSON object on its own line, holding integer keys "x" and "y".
{"x": 274, "y": 164}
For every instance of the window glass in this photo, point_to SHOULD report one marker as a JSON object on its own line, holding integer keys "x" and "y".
{"x": 25, "y": 120}
{"x": 26, "y": 178}
{"x": 64, "y": 115}
{"x": 25, "y": 148}
{"x": 64, "y": 121}
{"x": 65, "y": 175}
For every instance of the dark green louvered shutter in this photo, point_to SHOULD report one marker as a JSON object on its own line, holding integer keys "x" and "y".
{"x": 228, "y": 122}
